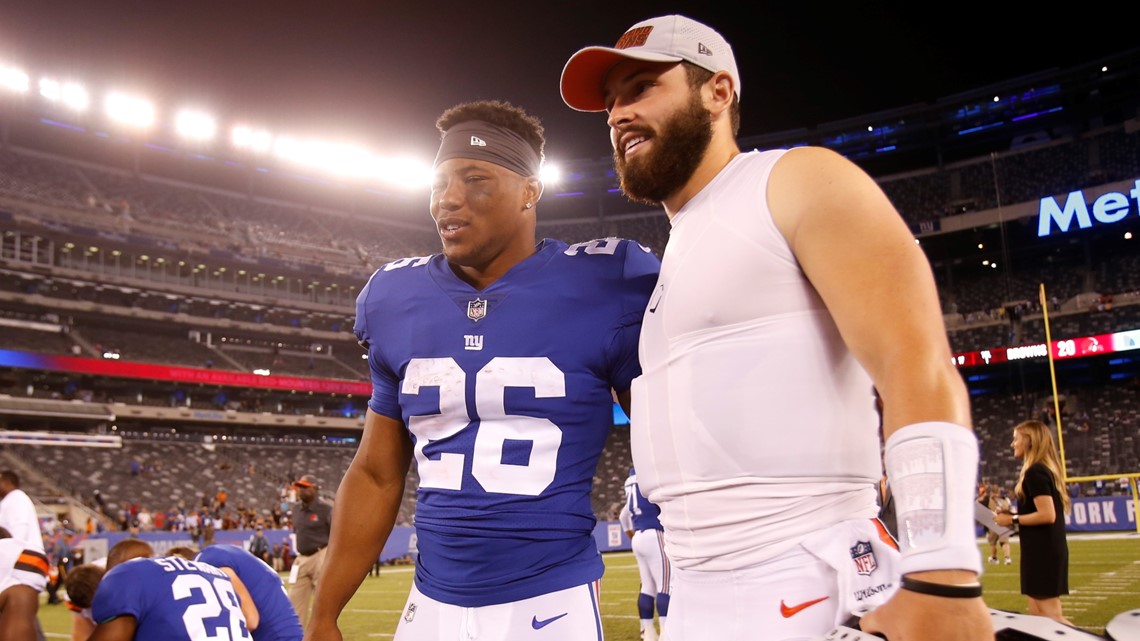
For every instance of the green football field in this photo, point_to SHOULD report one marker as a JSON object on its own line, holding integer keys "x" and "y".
{"x": 1104, "y": 576}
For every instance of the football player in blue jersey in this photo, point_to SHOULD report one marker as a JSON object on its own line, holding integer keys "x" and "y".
{"x": 647, "y": 538}
{"x": 268, "y": 613}
{"x": 169, "y": 598}
{"x": 494, "y": 366}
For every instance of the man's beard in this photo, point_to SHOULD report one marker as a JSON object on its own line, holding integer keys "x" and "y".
{"x": 677, "y": 151}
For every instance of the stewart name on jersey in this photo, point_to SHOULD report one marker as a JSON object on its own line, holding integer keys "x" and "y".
{"x": 172, "y": 599}
{"x": 506, "y": 393}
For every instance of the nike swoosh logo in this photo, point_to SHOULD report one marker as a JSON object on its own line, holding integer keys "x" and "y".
{"x": 790, "y": 611}
{"x": 655, "y": 299}
{"x": 538, "y": 625}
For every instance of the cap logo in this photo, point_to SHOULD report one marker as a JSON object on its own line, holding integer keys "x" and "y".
{"x": 703, "y": 50}
{"x": 634, "y": 38}
{"x": 476, "y": 141}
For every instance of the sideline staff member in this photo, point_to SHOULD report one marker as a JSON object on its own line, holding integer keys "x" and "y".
{"x": 312, "y": 521}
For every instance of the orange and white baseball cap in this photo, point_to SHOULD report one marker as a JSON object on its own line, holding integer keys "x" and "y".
{"x": 665, "y": 39}
{"x": 308, "y": 480}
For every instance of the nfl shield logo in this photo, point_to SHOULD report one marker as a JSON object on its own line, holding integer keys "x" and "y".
{"x": 410, "y": 613}
{"x": 864, "y": 558}
{"x": 477, "y": 309}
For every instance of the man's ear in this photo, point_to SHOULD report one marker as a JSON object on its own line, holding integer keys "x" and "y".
{"x": 720, "y": 92}
{"x": 534, "y": 188}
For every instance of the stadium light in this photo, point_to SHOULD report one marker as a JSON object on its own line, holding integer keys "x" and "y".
{"x": 257, "y": 140}
{"x": 75, "y": 96}
{"x": 411, "y": 174}
{"x": 550, "y": 174}
{"x": 13, "y": 79}
{"x": 195, "y": 125}
{"x": 341, "y": 159}
{"x": 69, "y": 94}
{"x": 130, "y": 110}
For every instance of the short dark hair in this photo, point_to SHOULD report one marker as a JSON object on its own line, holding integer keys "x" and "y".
{"x": 184, "y": 551}
{"x": 698, "y": 76}
{"x": 10, "y": 477}
{"x": 128, "y": 549}
{"x": 497, "y": 112}
{"x": 81, "y": 583}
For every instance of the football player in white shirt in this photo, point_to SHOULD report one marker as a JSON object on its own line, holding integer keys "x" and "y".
{"x": 23, "y": 575}
{"x": 789, "y": 288}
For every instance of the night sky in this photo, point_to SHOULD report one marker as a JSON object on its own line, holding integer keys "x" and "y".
{"x": 380, "y": 72}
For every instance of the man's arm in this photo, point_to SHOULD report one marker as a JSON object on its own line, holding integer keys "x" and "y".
{"x": 876, "y": 282}
{"x": 878, "y": 286}
{"x": 18, "y": 607}
{"x": 375, "y": 479}
{"x": 248, "y": 607}
{"x": 117, "y": 629}
{"x": 625, "y": 518}
{"x": 81, "y": 627}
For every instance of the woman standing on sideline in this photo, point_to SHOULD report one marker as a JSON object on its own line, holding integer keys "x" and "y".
{"x": 1041, "y": 501}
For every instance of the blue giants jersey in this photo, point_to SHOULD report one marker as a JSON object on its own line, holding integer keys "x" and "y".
{"x": 645, "y": 515}
{"x": 278, "y": 619}
{"x": 506, "y": 393}
{"x": 171, "y": 599}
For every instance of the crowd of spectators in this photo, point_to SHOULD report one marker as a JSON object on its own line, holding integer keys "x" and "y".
{"x": 248, "y": 282}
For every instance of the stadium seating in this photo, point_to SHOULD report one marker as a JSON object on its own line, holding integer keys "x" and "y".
{"x": 97, "y": 259}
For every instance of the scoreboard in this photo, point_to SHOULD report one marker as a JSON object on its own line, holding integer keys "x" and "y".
{"x": 1097, "y": 345}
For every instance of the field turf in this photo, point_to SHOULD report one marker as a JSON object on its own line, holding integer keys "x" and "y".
{"x": 1104, "y": 576}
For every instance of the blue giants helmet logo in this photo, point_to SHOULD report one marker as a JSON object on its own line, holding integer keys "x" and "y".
{"x": 476, "y": 309}
{"x": 864, "y": 558}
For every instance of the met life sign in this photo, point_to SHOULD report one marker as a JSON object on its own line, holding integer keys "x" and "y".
{"x": 1109, "y": 207}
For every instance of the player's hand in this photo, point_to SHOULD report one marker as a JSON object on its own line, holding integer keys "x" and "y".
{"x": 318, "y": 630}
{"x": 910, "y": 616}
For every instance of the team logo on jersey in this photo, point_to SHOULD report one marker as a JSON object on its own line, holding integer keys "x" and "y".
{"x": 655, "y": 299}
{"x": 473, "y": 342}
{"x": 864, "y": 558}
{"x": 410, "y": 613}
{"x": 477, "y": 309}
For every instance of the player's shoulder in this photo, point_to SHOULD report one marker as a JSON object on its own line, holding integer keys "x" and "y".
{"x": 217, "y": 551}
{"x": 608, "y": 254}
{"x": 129, "y": 571}
{"x": 600, "y": 247}
{"x": 402, "y": 268}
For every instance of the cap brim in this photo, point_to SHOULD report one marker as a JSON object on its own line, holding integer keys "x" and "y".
{"x": 302, "y": 484}
{"x": 585, "y": 73}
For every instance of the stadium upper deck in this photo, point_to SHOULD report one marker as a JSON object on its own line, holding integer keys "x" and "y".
{"x": 159, "y": 254}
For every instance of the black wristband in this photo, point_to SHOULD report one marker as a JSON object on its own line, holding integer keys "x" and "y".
{"x": 942, "y": 589}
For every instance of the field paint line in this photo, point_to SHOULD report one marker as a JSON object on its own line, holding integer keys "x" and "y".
{"x": 392, "y": 570}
